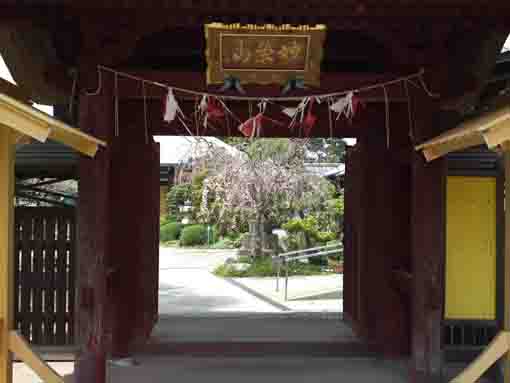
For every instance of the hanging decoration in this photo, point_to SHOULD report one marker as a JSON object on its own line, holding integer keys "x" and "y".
{"x": 310, "y": 120}
{"x": 252, "y": 127}
{"x": 212, "y": 109}
{"x": 346, "y": 106}
{"x": 171, "y": 107}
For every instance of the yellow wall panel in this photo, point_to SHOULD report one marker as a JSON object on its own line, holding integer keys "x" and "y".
{"x": 470, "y": 248}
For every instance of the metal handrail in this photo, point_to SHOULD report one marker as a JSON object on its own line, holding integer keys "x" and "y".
{"x": 285, "y": 259}
{"x": 307, "y": 250}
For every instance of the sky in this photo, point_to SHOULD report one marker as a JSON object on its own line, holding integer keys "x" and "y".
{"x": 506, "y": 47}
{"x": 6, "y": 75}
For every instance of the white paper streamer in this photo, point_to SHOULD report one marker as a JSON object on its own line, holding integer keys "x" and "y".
{"x": 343, "y": 106}
{"x": 171, "y": 107}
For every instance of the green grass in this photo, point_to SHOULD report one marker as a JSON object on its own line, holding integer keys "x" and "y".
{"x": 224, "y": 243}
{"x": 263, "y": 267}
{"x": 169, "y": 243}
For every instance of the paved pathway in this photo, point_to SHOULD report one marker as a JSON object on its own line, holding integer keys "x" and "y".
{"x": 318, "y": 293}
{"x": 254, "y": 328}
{"x": 188, "y": 287}
{"x": 256, "y": 370}
{"x": 246, "y": 370}
{"x": 181, "y": 258}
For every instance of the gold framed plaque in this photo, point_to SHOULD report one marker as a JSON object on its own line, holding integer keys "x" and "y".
{"x": 264, "y": 54}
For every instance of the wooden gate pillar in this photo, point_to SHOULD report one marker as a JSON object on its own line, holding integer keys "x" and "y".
{"x": 118, "y": 223}
{"x": 6, "y": 251}
{"x": 428, "y": 249}
{"x": 133, "y": 282}
{"x": 94, "y": 238}
{"x": 378, "y": 241}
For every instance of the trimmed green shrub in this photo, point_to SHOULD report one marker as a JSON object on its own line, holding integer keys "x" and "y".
{"x": 194, "y": 235}
{"x": 170, "y": 231}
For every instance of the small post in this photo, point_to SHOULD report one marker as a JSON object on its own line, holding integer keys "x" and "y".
{"x": 6, "y": 250}
{"x": 287, "y": 279}
{"x": 278, "y": 267}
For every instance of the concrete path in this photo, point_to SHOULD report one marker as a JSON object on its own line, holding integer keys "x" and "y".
{"x": 318, "y": 293}
{"x": 253, "y": 328}
{"x": 182, "y": 258}
{"x": 257, "y": 370}
{"x": 246, "y": 370}
{"x": 188, "y": 287}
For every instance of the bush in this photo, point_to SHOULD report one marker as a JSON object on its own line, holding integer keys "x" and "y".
{"x": 304, "y": 232}
{"x": 264, "y": 267}
{"x": 170, "y": 231}
{"x": 318, "y": 261}
{"x": 193, "y": 235}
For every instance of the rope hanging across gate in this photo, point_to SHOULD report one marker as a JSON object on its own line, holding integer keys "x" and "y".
{"x": 212, "y": 108}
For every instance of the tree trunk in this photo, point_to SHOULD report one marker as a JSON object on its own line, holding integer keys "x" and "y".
{"x": 258, "y": 236}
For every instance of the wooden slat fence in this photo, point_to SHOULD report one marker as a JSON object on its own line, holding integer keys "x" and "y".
{"x": 45, "y": 274}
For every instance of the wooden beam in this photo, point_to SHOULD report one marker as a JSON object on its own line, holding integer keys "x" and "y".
{"x": 23, "y": 123}
{"x": 25, "y": 120}
{"x": 491, "y": 128}
{"x": 433, "y": 152}
{"x": 506, "y": 294}
{"x": 22, "y": 350}
{"x": 6, "y": 251}
{"x": 498, "y": 134}
{"x": 495, "y": 350}
{"x": 184, "y": 12}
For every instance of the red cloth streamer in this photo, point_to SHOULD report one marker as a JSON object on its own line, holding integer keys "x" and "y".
{"x": 215, "y": 112}
{"x": 356, "y": 104}
{"x": 253, "y": 125}
{"x": 309, "y": 121}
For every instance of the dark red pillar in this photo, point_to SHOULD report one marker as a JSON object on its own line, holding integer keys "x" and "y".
{"x": 118, "y": 238}
{"x": 94, "y": 239}
{"x": 428, "y": 209}
{"x": 378, "y": 240}
{"x": 133, "y": 280}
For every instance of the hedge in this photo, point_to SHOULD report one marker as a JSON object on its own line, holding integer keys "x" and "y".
{"x": 170, "y": 231}
{"x": 194, "y": 235}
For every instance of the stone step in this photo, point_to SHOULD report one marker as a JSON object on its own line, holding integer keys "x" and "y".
{"x": 451, "y": 370}
{"x": 348, "y": 349}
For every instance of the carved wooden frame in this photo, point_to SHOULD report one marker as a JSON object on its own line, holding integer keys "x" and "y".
{"x": 215, "y": 34}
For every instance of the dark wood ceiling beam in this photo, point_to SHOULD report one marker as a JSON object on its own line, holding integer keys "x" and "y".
{"x": 335, "y": 13}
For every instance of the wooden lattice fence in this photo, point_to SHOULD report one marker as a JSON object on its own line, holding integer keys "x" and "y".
{"x": 45, "y": 274}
